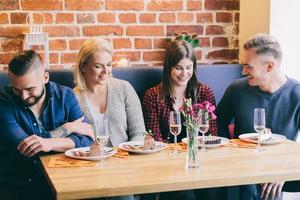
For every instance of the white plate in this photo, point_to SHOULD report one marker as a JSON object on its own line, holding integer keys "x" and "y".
{"x": 108, "y": 151}
{"x": 139, "y": 144}
{"x": 275, "y": 138}
{"x": 210, "y": 146}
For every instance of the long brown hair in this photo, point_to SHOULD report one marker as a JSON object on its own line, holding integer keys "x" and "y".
{"x": 176, "y": 51}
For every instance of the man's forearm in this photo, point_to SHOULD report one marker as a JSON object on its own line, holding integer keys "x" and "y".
{"x": 60, "y": 132}
{"x": 62, "y": 144}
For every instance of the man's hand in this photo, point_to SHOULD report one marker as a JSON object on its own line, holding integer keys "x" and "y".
{"x": 33, "y": 145}
{"x": 80, "y": 127}
{"x": 271, "y": 189}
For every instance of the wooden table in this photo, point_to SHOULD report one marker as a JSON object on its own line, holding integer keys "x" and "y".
{"x": 225, "y": 166}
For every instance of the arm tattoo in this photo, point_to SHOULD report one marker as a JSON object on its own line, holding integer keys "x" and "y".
{"x": 59, "y": 132}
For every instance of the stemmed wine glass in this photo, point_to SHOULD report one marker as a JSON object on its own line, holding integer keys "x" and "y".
{"x": 203, "y": 126}
{"x": 175, "y": 128}
{"x": 102, "y": 135}
{"x": 259, "y": 124}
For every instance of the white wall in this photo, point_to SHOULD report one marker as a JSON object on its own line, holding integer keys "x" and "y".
{"x": 285, "y": 26}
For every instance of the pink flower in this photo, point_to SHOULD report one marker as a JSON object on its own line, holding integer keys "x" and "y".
{"x": 190, "y": 112}
{"x": 213, "y": 116}
{"x": 199, "y": 106}
{"x": 211, "y": 109}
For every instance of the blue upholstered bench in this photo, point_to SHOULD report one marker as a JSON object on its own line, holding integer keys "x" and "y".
{"x": 218, "y": 77}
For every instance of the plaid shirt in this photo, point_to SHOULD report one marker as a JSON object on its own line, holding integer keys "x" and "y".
{"x": 156, "y": 111}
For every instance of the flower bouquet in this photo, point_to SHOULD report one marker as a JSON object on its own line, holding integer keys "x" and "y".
{"x": 192, "y": 117}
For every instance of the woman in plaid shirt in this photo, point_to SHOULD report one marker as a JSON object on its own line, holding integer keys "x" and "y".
{"x": 179, "y": 82}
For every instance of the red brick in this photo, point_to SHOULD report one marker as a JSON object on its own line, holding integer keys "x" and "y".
{"x": 214, "y": 30}
{"x": 127, "y": 18}
{"x": 68, "y": 58}
{"x": 220, "y": 42}
{"x": 133, "y": 56}
{"x": 204, "y": 41}
{"x": 75, "y": 44}
{"x": 198, "y": 55}
{"x": 204, "y": 17}
{"x": 3, "y": 18}
{"x": 164, "y": 5}
{"x": 222, "y": 5}
{"x": 45, "y": 5}
{"x": 237, "y": 17}
{"x": 102, "y": 30}
{"x": 38, "y": 18}
{"x": 5, "y": 58}
{"x": 9, "y": 5}
{"x": 53, "y": 57}
{"x": 154, "y": 56}
{"x": 62, "y": 31}
{"x": 145, "y": 30}
{"x": 160, "y": 43}
{"x": 14, "y": 44}
{"x": 185, "y": 17}
{"x": 167, "y": 17}
{"x": 227, "y": 54}
{"x": 223, "y": 17}
{"x": 13, "y": 31}
{"x": 38, "y": 48}
{"x": 121, "y": 43}
{"x": 147, "y": 18}
{"x": 83, "y": 5}
{"x": 194, "y": 5}
{"x": 85, "y": 18}
{"x": 192, "y": 29}
{"x": 18, "y": 18}
{"x": 57, "y": 44}
{"x": 143, "y": 43}
{"x": 64, "y": 18}
{"x": 106, "y": 17}
{"x": 124, "y": 5}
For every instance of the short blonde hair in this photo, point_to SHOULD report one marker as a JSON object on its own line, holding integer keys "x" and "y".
{"x": 88, "y": 48}
{"x": 265, "y": 44}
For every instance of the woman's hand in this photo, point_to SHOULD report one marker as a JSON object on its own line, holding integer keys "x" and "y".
{"x": 80, "y": 127}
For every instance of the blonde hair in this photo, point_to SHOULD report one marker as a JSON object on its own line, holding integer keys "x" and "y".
{"x": 88, "y": 48}
{"x": 265, "y": 44}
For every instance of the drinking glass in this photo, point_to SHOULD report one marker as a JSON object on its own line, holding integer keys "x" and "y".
{"x": 175, "y": 127}
{"x": 203, "y": 126}
{"x": 259, "y": 124}
{"x": 102, "y": 135}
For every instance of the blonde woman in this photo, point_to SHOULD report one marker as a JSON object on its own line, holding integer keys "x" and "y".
{"x": 100, "y": 95}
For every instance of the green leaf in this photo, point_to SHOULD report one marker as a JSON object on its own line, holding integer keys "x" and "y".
{"x": 187, "y": 38}
{"x": 194, "y": 43}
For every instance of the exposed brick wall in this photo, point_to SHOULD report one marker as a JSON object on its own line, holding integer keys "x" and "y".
{"x": 135, "y": 27}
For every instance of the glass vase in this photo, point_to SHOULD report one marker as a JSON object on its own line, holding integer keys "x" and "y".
{"x": 192, "y": 159}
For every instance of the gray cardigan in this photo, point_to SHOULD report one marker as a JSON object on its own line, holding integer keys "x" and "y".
{"x": 123, "y": 112}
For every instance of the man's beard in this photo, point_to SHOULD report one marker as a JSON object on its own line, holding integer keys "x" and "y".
{"x": 36, "y": 99}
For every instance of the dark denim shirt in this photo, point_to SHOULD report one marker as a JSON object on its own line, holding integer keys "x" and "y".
{"x": 17, "y": 122}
